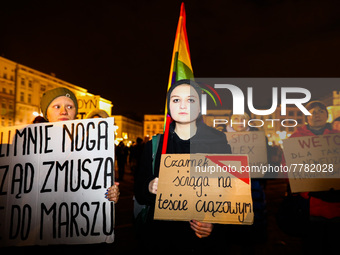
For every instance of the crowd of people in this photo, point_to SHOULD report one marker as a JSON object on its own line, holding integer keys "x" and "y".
{"x": 318, "y": 226}
{"x": 189, "y": 134}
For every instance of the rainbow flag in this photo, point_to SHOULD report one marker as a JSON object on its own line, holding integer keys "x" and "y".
{"x": 180, "y": 66}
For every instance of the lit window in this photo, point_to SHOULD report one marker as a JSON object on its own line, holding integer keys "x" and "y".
{"x": 22, "y": 97}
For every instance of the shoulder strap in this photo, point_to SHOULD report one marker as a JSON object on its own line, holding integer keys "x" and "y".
{"x": 155, "y": 143}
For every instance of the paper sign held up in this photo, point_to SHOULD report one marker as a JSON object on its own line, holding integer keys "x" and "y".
{"x": 313, "y": 162}
{"x": 208, "y": 188}
{"x": 53, "y": 177}
{"x": 252, "y": 143}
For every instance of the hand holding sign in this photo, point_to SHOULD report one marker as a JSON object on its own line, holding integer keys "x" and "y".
{"x": 153, "y": 185}
{"x": 202, "y": 229}
{"x": 113, "y": 193}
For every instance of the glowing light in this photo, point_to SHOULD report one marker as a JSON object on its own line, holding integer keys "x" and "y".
{"x": 36, "y": 114}
{"x": 282, "y": 134}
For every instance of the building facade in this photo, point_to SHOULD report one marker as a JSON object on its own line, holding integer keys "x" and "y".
{"x": 332, "y": 102}
{"x": 21, "y": 88}
{"x": 127, "y": 130}
{"x": 153, "y": 125}
{"x": 7, "y": 92}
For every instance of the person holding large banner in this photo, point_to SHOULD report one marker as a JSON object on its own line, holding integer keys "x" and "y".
{"x": 188, "y": 134}
{"x": 60, "y": 104}
{"x": 323, "y": 207}
{"x": 54, "y": 177}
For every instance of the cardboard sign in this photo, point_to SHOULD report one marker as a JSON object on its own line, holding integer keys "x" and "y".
{"x": 254, "y": 145}
{"x": 53, "y": 178}
{"x": 313, "y": 162}
{"x": 207, "y": 188}
{"x": 87, "y": 104}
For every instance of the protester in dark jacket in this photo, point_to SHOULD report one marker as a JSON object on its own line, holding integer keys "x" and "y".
{"x": 187, "y": 134}
{"x": 324, "y": 206}
{"x": 320, "y": 205}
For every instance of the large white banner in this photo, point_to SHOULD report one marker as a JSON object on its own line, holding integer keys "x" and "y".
{"x": 53, "y": 179}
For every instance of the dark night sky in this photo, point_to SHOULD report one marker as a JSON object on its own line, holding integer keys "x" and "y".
{"x": 122, "y": 50}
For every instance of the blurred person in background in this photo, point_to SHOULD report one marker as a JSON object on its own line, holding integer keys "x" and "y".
{"x": 336, "y": 124}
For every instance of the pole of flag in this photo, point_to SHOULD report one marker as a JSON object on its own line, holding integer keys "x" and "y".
{"x": 180, "y": 67}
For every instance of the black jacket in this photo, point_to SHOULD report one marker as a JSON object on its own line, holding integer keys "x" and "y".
{"x": 177, "y": 236}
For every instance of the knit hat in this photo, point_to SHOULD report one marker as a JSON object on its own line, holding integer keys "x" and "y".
{"x": 52, "y": 94}
{"x": 193, "y": 85}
